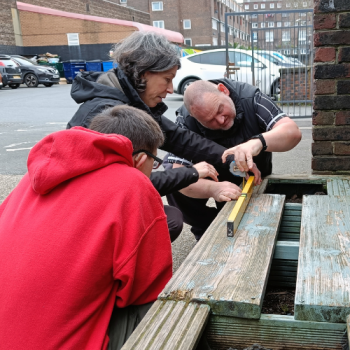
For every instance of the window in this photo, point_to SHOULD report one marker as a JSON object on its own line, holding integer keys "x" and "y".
{"x": 222, "y": 27}
{"x": 286, "y": 52}
{"x": 303, "y": 14}
{"x": 214, "y": 24}
{"x": 222, "y": 42}
{"x": 255, "y": 36}
{"x": 253, "y": 16}
{"x": 284, "y": 14}
{"x": 287, "y": 24}
{"x": 187, "y": 24}
{"x": 302, "y": 35}
{"x": 262, "y": 6}
{"x": 285, "y": 35}
{"x": 158, "y": 24}
{"x": 215, "y": 41}
{"x": 73, "y": 39}
{"x": 157, "y": 6}
{"x": 231, "y": 30}
{"x": 262, "y": 25}
{"x": 304, "y": 4}
{"x": 254, "y": 25}
{"x": 279, "y": 24}
{"x": 287, "y": 4}
{"x": 243, "y": 60}
{"x": 295, "y": 4}
{"x": 271, "y": 24}
{"x": 269, "y": 37}
{"x": 279, "y": 5}
{"x": 256, "y": 6}
{"x": 246, "y": 7}
{"x": 216, "y": 58}
{"x": 123, "y": 1}
{"x": 272, "y": 6}
{"x": 188, "y": 41}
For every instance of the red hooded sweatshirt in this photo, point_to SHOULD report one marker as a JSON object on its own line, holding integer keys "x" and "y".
{"x": 81, "y": 232}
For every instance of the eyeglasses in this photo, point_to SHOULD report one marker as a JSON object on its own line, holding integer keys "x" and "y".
{"x": 157, "y": 161}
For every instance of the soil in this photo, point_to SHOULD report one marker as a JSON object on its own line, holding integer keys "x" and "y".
{"x": 279, "y": 301}
{"x": 296, "y": 199}
{"x": 253, "y": 347}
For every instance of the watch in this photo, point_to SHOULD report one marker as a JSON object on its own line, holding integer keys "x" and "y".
{"x": 261, "y": 138}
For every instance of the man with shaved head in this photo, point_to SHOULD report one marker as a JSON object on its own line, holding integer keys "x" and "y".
{"x": 239, "y": 117}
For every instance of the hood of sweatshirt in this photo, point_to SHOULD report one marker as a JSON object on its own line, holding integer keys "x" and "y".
{"x": 66, "y": 154}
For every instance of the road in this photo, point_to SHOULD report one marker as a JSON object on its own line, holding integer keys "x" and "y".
{"x": 27, "y": 115}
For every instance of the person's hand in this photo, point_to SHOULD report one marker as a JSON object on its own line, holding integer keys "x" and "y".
{"x": 257, "y": 175}
{"x": 225, "y": 191}
{"x": 244, "y": 154}
{"x": 206, "y": 170}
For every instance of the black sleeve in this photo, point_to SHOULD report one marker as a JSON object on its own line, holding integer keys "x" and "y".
{"x": 191, "y": 146}
{"x": 172, "y": 180}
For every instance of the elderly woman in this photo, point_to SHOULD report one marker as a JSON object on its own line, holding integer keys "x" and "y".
{"x": 147, "y": 64}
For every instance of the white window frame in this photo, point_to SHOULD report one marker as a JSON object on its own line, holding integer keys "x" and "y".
{"x": 160, "y": 3}
{"x": 286, "y": 35}
{"x": 279, "y": 5}
{"x": 215, "y": 41}
{"x": 156, "y": 24}
{"x": 286, "y": 24}
{"x": 262, "y": 6}
{"x": 73, "y": 39}
{"x": 304, "y": 4}
{"x": 271, "y": 24}
{"x": 255, "y": 36}
{"x": 262, "y": 25}
{"x": 254, "y": 25}
{"x": 184, "y": 21}
{"x": 222, "y": 27}
{"x": 288, "y": 4}
{"x": 272, "y": 6}
{"x": 269, "y": 36}
{"x": 123, "y": 1}
{"x": 246, "y": 7}
{"x": 279, "y": 24}
{"x": 295, "y": 4}
{"x": 256, "y": 6}
{"x": 189, "y": 40}
{"x": 216, "y": 24}
{"x": 302, "y": 35}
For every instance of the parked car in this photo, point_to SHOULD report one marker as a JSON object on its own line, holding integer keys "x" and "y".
{"x": 1, "y": 84}
{"x": 10, "y": 71}
{"x": 35, "y": 74}
{"x": 277, "y": 58}
{"x": 211, "y": 64}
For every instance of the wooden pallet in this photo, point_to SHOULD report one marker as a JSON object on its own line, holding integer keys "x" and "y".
{"x": 230, "y": 274}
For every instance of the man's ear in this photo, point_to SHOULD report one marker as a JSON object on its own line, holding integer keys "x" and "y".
{"x": 224, "y": 89}
{"x": 139, "y": 160}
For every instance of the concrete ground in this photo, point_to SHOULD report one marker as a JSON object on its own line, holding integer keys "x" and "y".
{"x": 27, "y": 115}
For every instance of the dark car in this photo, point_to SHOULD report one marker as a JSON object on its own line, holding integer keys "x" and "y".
{"x": 35, "y": 74}
{"x": 1, "y": 84}
{"x": 10, "y": 72}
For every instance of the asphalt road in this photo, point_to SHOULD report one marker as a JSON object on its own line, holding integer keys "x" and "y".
{"x": 27, "y": 115}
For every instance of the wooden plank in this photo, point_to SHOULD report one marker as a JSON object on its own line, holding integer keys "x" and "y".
{"x": 238, "y": 211}
{"x": 286, "y": 250}
{"x": 293, "y": 218}
{"x": 260, "y": 189}
{"x": 322, "y": 292}
{"x": 293, "y": 206}
{"x": 338, "y": 187}
{"x": 292, "y": 212}
{"x": 169, "y": 325}
{"x": 230, "y": 273}
{"x": 273, "y": 332}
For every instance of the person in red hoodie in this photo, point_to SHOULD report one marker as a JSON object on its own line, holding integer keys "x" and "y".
{"x": 83, "y": 231}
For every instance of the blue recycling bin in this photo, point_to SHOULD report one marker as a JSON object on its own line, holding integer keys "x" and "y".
{"x": 72, "y": 68}
{"x": 107, "y": 65}
{"x": 95, "y": 66}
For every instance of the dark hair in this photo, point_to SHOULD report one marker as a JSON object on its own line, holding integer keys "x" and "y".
{"x": 139, "y": 127}
{"x": 141, "y": 52}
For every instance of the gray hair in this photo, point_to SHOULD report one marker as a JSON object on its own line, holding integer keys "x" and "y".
{"x": 139, "y": 127}
{"x": 141, "y": 52}
{"x": 195, "y": 93}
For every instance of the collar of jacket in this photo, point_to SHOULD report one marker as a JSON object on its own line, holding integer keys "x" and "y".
{"x": 219, "y": 134}
{"x": 135, "y": 99}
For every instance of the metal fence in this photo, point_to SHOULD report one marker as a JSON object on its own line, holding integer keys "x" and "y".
{"x": 278, "y": 58}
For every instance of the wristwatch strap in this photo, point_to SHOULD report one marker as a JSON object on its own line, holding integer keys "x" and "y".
{"x": 262, "y": 139}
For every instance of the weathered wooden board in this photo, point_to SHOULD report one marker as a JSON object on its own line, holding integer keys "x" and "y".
{"x": 169, "y": 325}
{"x": 275, "y": 332}
{"x": 348, "y": 327}
{"x": 338, "y": 187}
{"x": 260, "y": 189}
{"x": 323, "y": 283}
{"x": 230, "y": 273}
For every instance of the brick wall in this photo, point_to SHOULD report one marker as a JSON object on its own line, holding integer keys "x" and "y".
{"x": 101, "y": 8}
{"x": 295, "y": 82}
{"x": 44, "y": 30}
{"x": 331, "y": 119}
